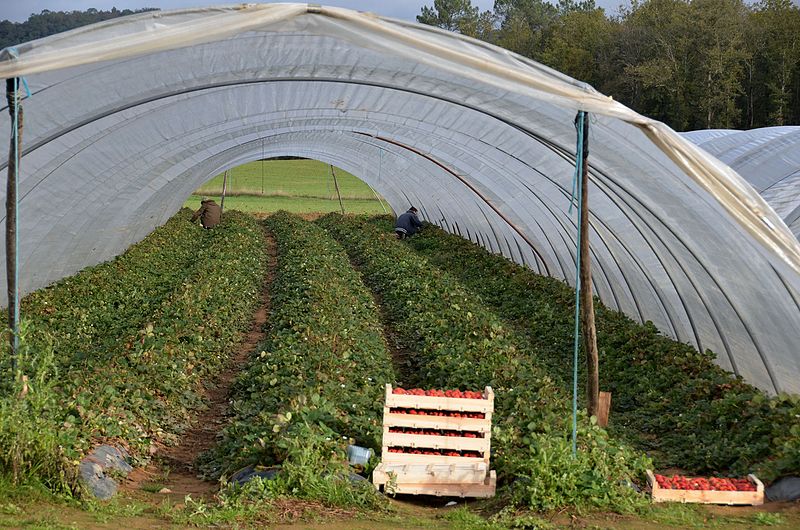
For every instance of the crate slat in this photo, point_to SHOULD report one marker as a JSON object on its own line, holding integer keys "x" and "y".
{"x": 456, "y": 443}
{"x": 430, "y": 473}
{"x": 754, "y": 498}
{"x": 437, "y": 422}
{"x": 440, "y": 403}
{"x": 408, "y": 458}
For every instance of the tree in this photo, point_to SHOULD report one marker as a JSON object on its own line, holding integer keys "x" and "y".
{"x": 656, "y": 54}
{"x": 778, "y": 23}
{"x": 580, "y": 44}
{"x": 522, "y": 25}
{"x": 452, "y": 15}
{"x": 50, "y": 22}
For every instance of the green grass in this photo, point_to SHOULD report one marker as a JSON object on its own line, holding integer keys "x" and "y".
{"x": 253, "y": 204}
{"x": 293, "y": 178}
{"x": 297, "y": 186}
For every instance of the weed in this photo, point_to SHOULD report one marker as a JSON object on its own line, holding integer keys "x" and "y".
{"x": 462, "y": 518}
{"x": 768, "y": 518}
{"x": 32, "y": 443}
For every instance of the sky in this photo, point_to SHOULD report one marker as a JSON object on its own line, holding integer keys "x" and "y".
{"x": 19, "y": 10}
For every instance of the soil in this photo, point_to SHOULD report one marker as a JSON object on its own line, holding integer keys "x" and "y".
{"x": 173, "y": 467}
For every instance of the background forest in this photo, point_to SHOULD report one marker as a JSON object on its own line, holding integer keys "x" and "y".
{"x": 692, "y": 64}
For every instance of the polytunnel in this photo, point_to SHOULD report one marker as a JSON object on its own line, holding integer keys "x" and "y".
{"x": 127, "y": 117}
{"x": 767, "y": 158}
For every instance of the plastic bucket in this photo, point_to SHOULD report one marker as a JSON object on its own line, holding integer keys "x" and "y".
{"x": 358, "y": 455}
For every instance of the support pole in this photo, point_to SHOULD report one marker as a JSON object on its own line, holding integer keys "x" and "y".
{"x": 12, "y": 237}
{"x": 587, "y": 306}
{"x": 339, "y": 195}
{"x": 224, "y": 189}
{"x": 262, "y": 167}
{"x": 378, "y": 197}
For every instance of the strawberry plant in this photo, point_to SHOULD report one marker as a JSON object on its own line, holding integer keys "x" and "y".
{"x": 669, "y": 399}
{"x": 460, "y": 343}
{"x": 320, "y": 374}
{"x": 184, "y": 295}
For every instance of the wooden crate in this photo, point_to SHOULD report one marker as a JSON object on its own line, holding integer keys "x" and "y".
{"x": 459, "y": 476}
{"x": 481, "y": 426}
{"x": 754, "y": 498}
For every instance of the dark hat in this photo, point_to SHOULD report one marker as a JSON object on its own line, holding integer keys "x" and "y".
{"x": 412, "y": 209}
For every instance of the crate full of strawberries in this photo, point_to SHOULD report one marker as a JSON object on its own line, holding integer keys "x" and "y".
{"x": 437, "y": 442}
{"x": 713, "y": 490}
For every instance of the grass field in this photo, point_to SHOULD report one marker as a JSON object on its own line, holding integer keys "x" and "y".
{"x": 297, "y": 186}
{"x": 256, "y": 204}
{"x": 295, "y": 178}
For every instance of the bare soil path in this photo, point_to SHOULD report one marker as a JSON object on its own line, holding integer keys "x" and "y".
{"x": 174, "y": 467}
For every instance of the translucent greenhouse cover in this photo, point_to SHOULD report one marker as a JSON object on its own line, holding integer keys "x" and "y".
{"x": 129, "y": 116}
{"x": 768, "y": 158}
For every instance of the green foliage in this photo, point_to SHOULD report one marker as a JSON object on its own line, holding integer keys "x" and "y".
{"x": 318, "y": 382}
{"x": 32, "y": 443}
{"x": 309, "y": 179}
{"x": 698, "y": 64}
{"x": 669, "y": 399}
{"x": 767, "y": 519}
{"x": 452, "y": 15}
{"x": 299, "y": 205}
{"x": 50, "y": 22}
{"x": 460, "y": 343}
{"x": 128, "y": 366}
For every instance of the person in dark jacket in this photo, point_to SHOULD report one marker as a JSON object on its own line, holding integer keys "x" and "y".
{"x": 209, "y": 213}
{"x": 407, "y": 224}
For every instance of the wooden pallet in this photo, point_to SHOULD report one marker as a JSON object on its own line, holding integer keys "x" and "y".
{"x": 458, "y": 476}
{"x": 446, "y": 485}
{"x": 754, "y": 498}
{"x": 431, "y": 473}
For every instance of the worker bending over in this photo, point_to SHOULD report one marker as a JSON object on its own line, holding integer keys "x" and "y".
{"x": 407, "y": 224}
{"x": 209, "y": 213}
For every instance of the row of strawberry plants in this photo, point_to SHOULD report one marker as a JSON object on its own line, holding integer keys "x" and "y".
{"x": 86, "y": 314}
{"x": 152, "y": 379}
{"x": 460, "y": 343}
{"x": 668, "y": 399}
{"x": 141, "y": 388}
{"x": 317, "y": 382}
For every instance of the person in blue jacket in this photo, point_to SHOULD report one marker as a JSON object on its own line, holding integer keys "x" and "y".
{"x": 407, "y": 224}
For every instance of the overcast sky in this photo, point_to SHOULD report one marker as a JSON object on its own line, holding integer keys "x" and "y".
{"x": 19, "y": 10}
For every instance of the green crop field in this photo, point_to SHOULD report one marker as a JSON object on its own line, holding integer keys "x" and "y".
{"x": 257, "y": 204}
{"x": 270, "y": 342}
{"x": 297, "y": 186}
{"x": 297, "y": 178}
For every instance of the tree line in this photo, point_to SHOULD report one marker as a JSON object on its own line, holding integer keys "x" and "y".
{"x": 51, "y": 22}
{"x": 694, "y": 64}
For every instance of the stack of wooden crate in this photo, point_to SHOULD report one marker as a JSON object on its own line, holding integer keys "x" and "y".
{"x": 435, "y": 445}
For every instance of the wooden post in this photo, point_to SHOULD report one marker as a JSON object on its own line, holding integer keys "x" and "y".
{"x": 604, "y": 407}
{"x": 335, "y": 183}
{"x": 587, "y": 305}
{"x": 15, "y": 111}
{"x": 224, "y": 189}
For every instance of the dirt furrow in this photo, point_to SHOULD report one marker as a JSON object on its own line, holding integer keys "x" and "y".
{"x": 173, "y": 467}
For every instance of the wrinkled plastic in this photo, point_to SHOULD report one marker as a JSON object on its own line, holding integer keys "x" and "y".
{"x": 768, "y": 158}
{"x": 129, "y": 116}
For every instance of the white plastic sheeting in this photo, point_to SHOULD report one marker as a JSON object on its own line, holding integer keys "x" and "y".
{"x": 128, "y": 117}
{"x": 768, "y": 158}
